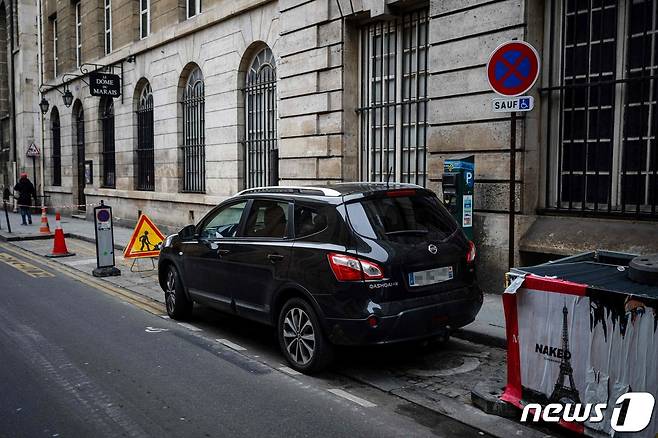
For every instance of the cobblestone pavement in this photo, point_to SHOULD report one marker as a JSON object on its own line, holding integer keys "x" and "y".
{"x": 451, "y": 369}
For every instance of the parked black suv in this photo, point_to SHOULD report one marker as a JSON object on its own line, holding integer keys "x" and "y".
{"x": 351, "y": 264}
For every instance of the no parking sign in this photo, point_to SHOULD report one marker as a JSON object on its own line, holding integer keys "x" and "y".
{"x": 513, "y": 69}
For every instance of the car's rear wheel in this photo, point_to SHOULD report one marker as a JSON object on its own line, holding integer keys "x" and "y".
{"x": 301, "y": 339}
{"x": 178, "y": 305}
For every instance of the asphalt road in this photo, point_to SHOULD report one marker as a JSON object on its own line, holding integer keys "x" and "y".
{"x": 75, "y": 361}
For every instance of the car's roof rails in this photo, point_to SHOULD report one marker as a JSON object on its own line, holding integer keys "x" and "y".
{"x": 300, "y": 190}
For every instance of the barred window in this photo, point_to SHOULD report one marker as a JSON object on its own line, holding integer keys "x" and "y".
{"x": 108, "y": 152}
{"x": 194, "y": 154}
{"x": 145, "y": 153}
{"x": 261, "y": 146}
{"x": 393, "y": 99}
{"x": 602, "y": 111}
{"x": 56, "y": 141}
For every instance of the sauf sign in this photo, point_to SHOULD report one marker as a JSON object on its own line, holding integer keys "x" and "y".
{"x": 104, "y": 84}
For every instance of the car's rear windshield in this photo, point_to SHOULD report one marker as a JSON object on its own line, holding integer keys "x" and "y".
{"x": 401, "y": 217}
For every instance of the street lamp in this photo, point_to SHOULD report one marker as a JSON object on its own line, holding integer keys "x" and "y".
{"x": 67, "y": 97}
{"x": 44, "y": 104}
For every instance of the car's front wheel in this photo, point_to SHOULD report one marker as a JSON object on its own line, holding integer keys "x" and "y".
{"x": 178, "y": 305}
{"x": 301, "y": 339}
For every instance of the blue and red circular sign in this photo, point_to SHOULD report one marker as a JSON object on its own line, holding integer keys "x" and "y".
{"x": 103, "y": 215}
{"x": 513, "y": 68}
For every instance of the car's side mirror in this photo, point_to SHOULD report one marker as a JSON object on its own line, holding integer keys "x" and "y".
{"x": 187, "y": 233}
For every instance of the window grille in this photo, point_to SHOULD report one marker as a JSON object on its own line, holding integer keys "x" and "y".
{"x": 261, "y": 146}
{"x": 601, "y": 109}
{"x": 393, "y": 99}
{"x": 56, "y": 141}
{"x": 108, "y": 153}
{"x": 194, "y": 155}
{"x": 145, "y": 153}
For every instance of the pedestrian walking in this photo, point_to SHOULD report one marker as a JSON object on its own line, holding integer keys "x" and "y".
{"x": 26, "y": 192}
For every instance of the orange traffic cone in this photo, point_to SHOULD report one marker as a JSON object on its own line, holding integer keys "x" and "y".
{"x": 45, "y": 228}
{"x": 59, "y": 244}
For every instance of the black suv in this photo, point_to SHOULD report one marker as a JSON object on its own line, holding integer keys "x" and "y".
{"x": 350, "y": 264}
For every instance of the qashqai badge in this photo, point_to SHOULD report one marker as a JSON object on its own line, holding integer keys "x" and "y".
{"x": 432, "y": 248}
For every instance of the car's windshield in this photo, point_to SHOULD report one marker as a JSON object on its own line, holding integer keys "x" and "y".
{"x": 390, "y": 218}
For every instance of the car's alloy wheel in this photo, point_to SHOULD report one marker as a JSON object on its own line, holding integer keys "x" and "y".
{"x": 170, "y": 292}
{"x": 299, "y": 336}
{"x": 178, "y": 304}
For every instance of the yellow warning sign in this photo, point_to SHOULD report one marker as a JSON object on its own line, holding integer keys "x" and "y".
{"x": 145, "y": 241}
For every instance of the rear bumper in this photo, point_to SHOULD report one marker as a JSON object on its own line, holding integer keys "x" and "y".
{"x": 436, "y": 316}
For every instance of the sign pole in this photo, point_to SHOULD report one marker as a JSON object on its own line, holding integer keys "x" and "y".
{"x": 4, "y": 205}
{"x": 512, "y": 189}
{"x": 512, "y": 69}
{"x": 34, "y": 170}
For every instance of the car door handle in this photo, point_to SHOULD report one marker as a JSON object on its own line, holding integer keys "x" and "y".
{"x": 222, "y": 252}
{"x": 275, "y": 257}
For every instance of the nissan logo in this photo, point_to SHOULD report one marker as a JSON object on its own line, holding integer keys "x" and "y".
{"x": 432, "y": 248}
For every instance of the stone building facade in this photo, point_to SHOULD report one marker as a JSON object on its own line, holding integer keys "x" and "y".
{"x": 20, "y": 121}
{"x": 220, "y": 95}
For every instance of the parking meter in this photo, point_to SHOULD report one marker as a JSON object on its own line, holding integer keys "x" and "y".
{"x": 458, "y": 183}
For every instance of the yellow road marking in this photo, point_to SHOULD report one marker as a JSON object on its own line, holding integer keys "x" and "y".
{"x": 24, "y": 267}
{"x": 143, "y": 303}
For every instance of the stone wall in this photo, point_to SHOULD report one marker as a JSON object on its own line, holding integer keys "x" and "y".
{"x": 220, "y": 48}
{"x": 462, "y": 36}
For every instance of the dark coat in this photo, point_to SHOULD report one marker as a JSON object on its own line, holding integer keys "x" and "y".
{"x": 26, "y": 191}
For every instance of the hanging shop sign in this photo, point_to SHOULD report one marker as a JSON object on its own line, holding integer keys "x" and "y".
{"x": 104, "y": 84}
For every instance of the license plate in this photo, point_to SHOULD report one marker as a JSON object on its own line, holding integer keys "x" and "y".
{"x": 430, "y": 276}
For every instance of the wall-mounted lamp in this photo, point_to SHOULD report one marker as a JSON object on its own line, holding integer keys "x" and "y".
{"x": 67, "y": 97}
{"x": 44, "y": 104}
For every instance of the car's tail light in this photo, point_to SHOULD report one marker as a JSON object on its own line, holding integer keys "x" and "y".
{"x": 348, "y": 268}
{"x": 470, "y": 255}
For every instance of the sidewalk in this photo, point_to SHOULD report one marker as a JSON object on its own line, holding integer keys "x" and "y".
{"x": 488, "y": 327}
{"x": 72, "y": 227}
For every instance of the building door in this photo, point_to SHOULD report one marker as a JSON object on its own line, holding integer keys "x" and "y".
{"x": 80, "y": 146}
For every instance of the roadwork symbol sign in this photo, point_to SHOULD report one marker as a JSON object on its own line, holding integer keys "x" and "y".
{"x": 33, "y": 150}
{"x": 145, "y": 241}
{"x": 513, "y": 68}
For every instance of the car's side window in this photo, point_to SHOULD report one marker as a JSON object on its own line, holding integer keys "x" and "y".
{"x": 267, "y": 219}
{"x": 224, "y": 224}
{"x": 308, "y": 221}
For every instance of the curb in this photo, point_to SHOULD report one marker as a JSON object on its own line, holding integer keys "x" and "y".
{"x": 93, "y": 240}
{"x": 486, "y": 397}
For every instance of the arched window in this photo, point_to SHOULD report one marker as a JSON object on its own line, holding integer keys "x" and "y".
{"x": 79, "y": 134}
{"x": 145, "y": 158}
{"x": 261, "y": 148}
{"x": 194, "y": 154}
{"x": 107, "y": 126}
{"x": 56, "y": 142}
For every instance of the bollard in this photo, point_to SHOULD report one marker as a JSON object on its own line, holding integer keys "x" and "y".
{"x": 4, "y": 203}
